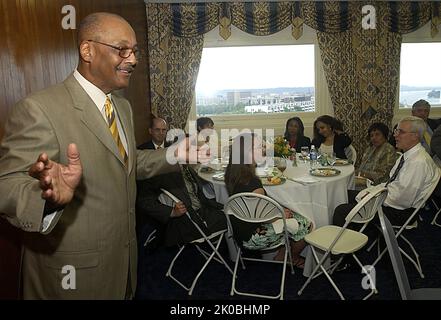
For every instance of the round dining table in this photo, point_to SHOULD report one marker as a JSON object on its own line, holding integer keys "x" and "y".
{"x": 314, "y": 197}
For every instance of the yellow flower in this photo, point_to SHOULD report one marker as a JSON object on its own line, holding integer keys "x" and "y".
{"x": 281, "y": 147}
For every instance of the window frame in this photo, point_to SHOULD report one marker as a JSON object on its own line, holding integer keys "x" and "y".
{"x": 275, "y": 121}
{"x": 421, "y": 35}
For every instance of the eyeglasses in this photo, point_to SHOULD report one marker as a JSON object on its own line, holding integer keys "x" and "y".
{"x": 123, "y": 52}
{"x": 401, "y": 131}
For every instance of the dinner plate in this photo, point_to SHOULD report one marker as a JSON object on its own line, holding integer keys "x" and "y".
{"x": 275, "y": 182}
{"x": 219, "y": 176}
{"x": 342, "y": 162}
{"x": 207, "y": 170}
{"x": 324, "y": 172}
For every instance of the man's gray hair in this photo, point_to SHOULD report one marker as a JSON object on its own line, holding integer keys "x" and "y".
{"x": 418, "y": 125}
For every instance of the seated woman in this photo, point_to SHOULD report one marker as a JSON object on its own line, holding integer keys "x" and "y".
{"x": 379, "y": 157}
{"x": 294, "y": 134}
{"x": 240, "y": 176}
{"x": 327, "y": 139}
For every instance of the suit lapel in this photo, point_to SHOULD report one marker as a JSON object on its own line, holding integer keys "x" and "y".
{"x": 91, "y": 117}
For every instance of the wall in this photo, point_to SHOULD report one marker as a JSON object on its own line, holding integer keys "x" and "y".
{"x": 36, "y": 52}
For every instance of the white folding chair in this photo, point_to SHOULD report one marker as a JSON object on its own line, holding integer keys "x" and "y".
{"x": 213, "y": 241}
{"x": 407, "y": 226}
{"x": 438, "y": 211}
{"x": 351, "y": 153}
{"x": 256, "y": 208}
{"x": 400, "y": 271}
{"x": 436, "y": 196}
{"x": 341, "y": 240}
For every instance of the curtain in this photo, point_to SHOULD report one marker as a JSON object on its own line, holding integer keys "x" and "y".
{"x": 362, "y": 72}
{"x": 173, "y": 65}
{"x": 361, "y": 66}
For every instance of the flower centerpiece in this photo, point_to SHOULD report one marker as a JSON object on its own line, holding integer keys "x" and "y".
{"x": 282, "y": 148}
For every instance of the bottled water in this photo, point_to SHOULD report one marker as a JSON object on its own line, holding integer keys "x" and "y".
{"x": 313, "y": 157}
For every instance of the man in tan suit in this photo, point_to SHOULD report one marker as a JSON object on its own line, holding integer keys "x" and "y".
{"x": 78, "y": 208}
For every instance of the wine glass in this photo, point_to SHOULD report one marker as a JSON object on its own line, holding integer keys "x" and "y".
{"x": 305, "y": 152}
{"x": 332, "y": 158}
{"x": 281, "y": 165}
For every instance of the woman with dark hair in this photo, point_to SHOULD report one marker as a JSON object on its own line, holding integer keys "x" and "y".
{"x": 204, "y": 123}
{"x": 240, "y": 177}
{"x": 327, "y": 139}
{"x": 379, "y": 157}
{"x": 294, "y": 134}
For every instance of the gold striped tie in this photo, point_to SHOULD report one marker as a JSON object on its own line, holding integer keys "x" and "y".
{"x": 111, "y": 120}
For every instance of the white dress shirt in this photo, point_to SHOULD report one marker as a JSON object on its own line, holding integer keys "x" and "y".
{"x": 162, "y": 146}
{"x": 418, "y": 174}
{"x": 99, "y": 98}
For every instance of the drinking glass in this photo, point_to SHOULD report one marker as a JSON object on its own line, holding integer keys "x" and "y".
{"x": 281, "y": 165}
{"x": 305, "y": 153}
{"x": 332, "y": 158}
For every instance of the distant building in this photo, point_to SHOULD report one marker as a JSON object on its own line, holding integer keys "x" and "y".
{"x": 236, "y": 97}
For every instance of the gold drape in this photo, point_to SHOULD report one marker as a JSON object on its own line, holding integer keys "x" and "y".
{"x": 174, "y": 65}
{"x": 362, "y": 72}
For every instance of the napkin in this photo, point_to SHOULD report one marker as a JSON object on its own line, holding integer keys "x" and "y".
{"x": 305, "y": 179}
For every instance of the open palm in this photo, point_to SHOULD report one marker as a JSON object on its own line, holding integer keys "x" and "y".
{"x": 58, "y": 182}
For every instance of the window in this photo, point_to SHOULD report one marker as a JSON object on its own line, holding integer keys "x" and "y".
{"x": 420, "y": 73}
{"x": 248, "y": 80}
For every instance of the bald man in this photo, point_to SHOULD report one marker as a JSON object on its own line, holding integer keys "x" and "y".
{"x": 68, "y": 163}
{"x": 158, "y": 132}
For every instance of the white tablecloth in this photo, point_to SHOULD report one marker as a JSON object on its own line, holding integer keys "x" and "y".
{"x": 317, "y": 200}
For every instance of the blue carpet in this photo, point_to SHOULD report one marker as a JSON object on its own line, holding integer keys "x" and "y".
{"x": 215, "y": 283}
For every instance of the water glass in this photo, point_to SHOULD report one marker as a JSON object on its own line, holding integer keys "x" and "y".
{"x": 305, "y": 153}
{"x": 332, "y": 158}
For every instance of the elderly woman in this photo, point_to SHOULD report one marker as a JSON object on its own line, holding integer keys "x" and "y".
{"x": 294, "y": 134}
{"x": 379, "y": 157}
{"x": 327, "y": 139}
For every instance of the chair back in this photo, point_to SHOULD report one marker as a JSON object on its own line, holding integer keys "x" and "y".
{"x": 351, "y": 153}
{"x": 395, "y": 256}
{"x": 407, "y": 224}
{"x": 366, "y": 209}
{"x": 253, "y": 207}
{"x": 373, "y": 200}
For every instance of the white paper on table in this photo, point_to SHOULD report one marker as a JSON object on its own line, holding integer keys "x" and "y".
{"x": 291, "y": 224}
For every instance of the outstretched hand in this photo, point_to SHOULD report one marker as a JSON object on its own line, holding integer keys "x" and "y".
{"x": 58, "y": 182}
{"x": 189, "y": 151}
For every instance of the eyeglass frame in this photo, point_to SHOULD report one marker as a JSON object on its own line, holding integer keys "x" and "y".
{"x": 133, "y": 50}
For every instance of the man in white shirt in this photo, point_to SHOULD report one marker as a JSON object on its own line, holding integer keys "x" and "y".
{"x": 158, "y": 132}
{"x": 411, "y": 178}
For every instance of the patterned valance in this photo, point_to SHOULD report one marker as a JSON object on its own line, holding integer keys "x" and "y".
{"x": 265, "y": 18}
